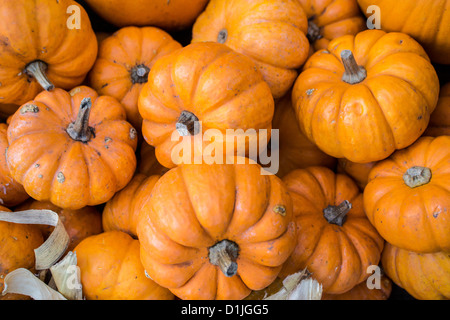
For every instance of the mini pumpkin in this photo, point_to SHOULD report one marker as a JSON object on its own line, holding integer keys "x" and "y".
{"x": 271, "y": 32}
{"x": 366, "y": 95}
{"x": 74, "y": 149}
{"x": 357, "y": 171}
{"x": 41, "y": 49}
{"x": 440, "y": 118}
{"x": 110, "y": 269}
{"x": 204, "y": 88}
{"x": 408, "y": 196}
{"x": 216, "y": 231}
{"x": 336, "y": 242}
{"x": 123, "y": 63}
{"x": 425, "y": 276}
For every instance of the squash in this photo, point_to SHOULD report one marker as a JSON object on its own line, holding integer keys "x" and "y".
{"x": 357, "y": 171}
{"x": 74, "y": 149}
{"x": 216, "y": 231}
{"x": 366, "y": 95}
{"x": 407, "y": 198}
{"x": 440, "y": 118}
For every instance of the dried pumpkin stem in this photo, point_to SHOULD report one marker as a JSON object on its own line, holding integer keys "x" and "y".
{"x": 313, "y": 31}
{"x": 417, "y": 176}
{"x": 337, "y": 214}
{"x": 139, "y": 74}
{"x": 222, "y": 36}
{"x": 37, "y": 70}
{"x": 187, "y": 124}
{"x": 353, "y": 72}
{"x": 224, "y": 255}
{"x": 79, "y": 129}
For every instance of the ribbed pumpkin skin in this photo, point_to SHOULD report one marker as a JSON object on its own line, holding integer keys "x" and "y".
{"x": 427, "y": 21}
{"x": 110, "y": 269}
{"x": 122, "y": 211}
{"x": 362, "y": 292}
{"x": 193, "y": 207}
{"x": 120, "y": 54}
{"x": 418, "y": 218}
{"x": 18, "y": 242}
{"x": 440, "y": 118}
{"x": 39, "y": 31}
{"x": 271, "y": 32}
{"x": 367, "y": 121}
{"x": 337, "y": 256}
{"x": 221, "y": 87}
{"x": 425, "y": 276}
{"x": 69, "y": 173}
{"x": 169, "y": 15}
{"x": 334, "y": 19}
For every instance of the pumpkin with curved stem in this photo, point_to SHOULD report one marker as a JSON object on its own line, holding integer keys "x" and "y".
{"x": 424, "y": 20}
{"x": 18, "y": 242}
{"x": 110, "y": 269}
{"x": 440, "y": 118}
{"x": 166, "y": 14}
{"x": 204, "y": 88}
{"x": 216, "y": 231}
{"x": 331, "y": 19}
{"x": 336, "y": 242}
{"x": 425, "y": 276}
{"x": 408, "y": 196}
{"x": 39, "y": 51}
{"x": 121, "y": 211}
{"x": 271, "y": 32}
{"x": 123, "y": 63}
{"x": 357, "y": 171}
{"x": 366, "y": 95}
{"x": 73, "y": 149}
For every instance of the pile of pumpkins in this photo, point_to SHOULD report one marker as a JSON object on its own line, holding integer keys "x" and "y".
{"x": 89, "y": 119}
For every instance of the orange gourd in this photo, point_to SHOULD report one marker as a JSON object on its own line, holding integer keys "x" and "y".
{"x": 204, "y": 86}
{"x": 425, "y": 276}
{"x": 424, "y": 20}
{"x": 408, "y": 196}
{"x": 74, "y": 149}
{"x": 440, "y": 118}
{"x": 110, "y": 269}
{"x": 216, "y": 231}
{"x": 336, "y": 242}
{"x": 123, "y": 63}
{"x": 43, "y": 47}
{"x": 366, "y": 95}
{"x": 271, "y": 32}
{"x": 357, "y": 171}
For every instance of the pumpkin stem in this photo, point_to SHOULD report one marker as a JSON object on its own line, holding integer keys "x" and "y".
{"x": 79, "y": 129}
{"x": 187, "y": 124}
{"x": 139, "y": 74}
{"x": 222, "y": 36}
{"x": 224, "y": 255}
{"x": 37, "y": 69}
{"x": 353, "y": 73}
{"x": 313, "y": 32}
{"x": 417, "y": 176}
{"x": 337, "y": 214}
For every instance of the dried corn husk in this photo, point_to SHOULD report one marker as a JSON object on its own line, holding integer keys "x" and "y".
{"x": 298, "y": 286}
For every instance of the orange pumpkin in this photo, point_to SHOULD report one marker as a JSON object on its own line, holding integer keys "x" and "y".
{"x": 12, "y": 193}
{"x": 425, "y": 276}
{"x": 18, "y": 242}
{"x": 408, "y": 196}
{"x": 331, "y": 19}
{"x": 166, "y": 14}
{"x": 121, "y": 212}
{"x": 216, "y": 231}
{"x": 336, "y": 241}
{"x": 295, "y": 151}
{"x": 271, "y": 32}
{"x": 427, "y": 21}
{"x": 124, "y": 61}
{"x": 42, "y": 48}
{"x": 440, "y": 118}
{"x": 204, "y": 86}
{"x": 366, "y": 95}
{"x": 74, "y": 149}
{"x": 147, "y": 162}
{"x": 357, "y": 171}
{"x": 110, "y": 269}
{"x": 79, "y": 224}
